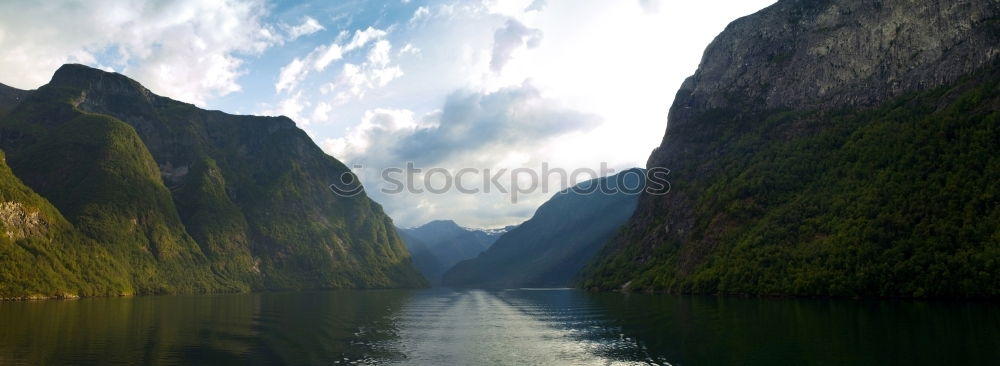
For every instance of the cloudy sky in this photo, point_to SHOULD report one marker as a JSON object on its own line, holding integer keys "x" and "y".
{"x": 449, "y": 84}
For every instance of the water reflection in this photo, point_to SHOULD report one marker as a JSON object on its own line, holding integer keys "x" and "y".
{"x": 476, "y": 327}
{"x": 439, "y": 326}
{"x": 292, "y": 328}
{"x": 722, "y": 331}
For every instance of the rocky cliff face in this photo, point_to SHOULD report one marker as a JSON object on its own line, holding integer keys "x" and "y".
{"x": 21, "y": 222}
{"x": 777, "y": 108}
{"x": 831, "y": 53}
{"x": 236, "y": 202}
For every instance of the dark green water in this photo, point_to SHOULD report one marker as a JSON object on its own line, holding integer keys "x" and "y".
{"x": 443, "y": 327}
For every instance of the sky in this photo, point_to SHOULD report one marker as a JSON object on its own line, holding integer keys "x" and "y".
{"x": 442, "y": 85}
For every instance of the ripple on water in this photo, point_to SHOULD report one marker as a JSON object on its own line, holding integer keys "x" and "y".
{"x": 482, "y": 327}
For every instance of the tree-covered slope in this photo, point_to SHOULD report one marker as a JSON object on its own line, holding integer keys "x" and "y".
{"x": 98, "y": 173}
{"x": 43, "y": 255}
{"x": 194, "y": 200}
{"x": 809, "y": 157}
{"x": 549, "y": 249}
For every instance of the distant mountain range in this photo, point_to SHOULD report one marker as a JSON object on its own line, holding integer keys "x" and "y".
{"x": 110, "y": 189}
{"x": 549, "y": 249}
{"x": 439, "y": 245}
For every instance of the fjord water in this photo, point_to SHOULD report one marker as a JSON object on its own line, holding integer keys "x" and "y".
{"x": 523, "y": 327}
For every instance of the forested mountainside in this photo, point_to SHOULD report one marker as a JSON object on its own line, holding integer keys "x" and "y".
{"x": 829, "y": 148}
{"x": 182, "y": 199}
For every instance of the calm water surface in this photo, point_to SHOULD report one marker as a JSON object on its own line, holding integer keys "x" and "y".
{"x": 519, "y": 327}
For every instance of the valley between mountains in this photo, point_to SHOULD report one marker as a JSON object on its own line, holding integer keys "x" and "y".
{"x": 831, "y": 148}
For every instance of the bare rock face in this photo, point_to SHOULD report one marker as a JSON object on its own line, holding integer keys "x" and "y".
{"x": 827, "y": 53}
{"x": 19, "y": 222}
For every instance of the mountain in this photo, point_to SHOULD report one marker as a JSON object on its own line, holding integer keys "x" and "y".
{"x": 829, "y": 148}
{"x": 10, "y": 98}
{"x": 40, "y": 249}
{"x": 190, "y": 200}
{"x": 439, "y": 245}
{"x": 549, "y": 249}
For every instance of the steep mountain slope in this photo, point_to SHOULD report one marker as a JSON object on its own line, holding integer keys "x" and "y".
{"x": 549, "y": 249}
{"x": 10, "y": 98}
{"x": 97, "y": 172}
{"x": 197, "y": 200}
{"x": 424, "y": 260}
{"x": 43, "y": 255}
{"x": 824, "y": 148}
{"x": 439, "y": 245}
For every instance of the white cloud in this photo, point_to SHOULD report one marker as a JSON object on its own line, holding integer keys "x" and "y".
{"x": 356, "y": 79}
{"x": 322, "y": 112}
{"x": 419, "y": 15}
{"x": 351, "y": 77}
{"x": 327, "y": 54}
{"x": 189, "y": 50}
{"x": 510, "y": 8}
{"x": 624, "y": 65}
{"x": 469, "y": 123}
{"x": 382, "y": 77}
{"x": 322, "y": 56}
{"x": 291, "y": 107}
{"x": 508, "y": 128}
{"x": 409, "y": 49}
{"x": 290, "y": 75}
{"x": 377, "y": 126}
{"x": 362, "y": 37}
{"x": 308, "y": 26}
{"x": 379, "y": 54}
{"x": 509, "y": 38}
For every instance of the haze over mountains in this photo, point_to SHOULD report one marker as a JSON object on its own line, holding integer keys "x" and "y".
{"x": 438, "y": 245}
{"x": 549, "y": 249}
{"x": 115, "y": 190}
